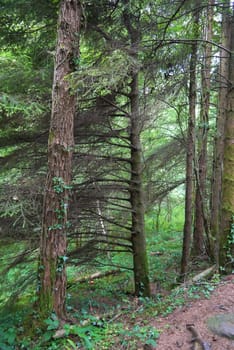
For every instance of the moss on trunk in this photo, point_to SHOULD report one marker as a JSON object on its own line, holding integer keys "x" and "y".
{"x": 52, "y": 270}
{"x": 227, "y": 214}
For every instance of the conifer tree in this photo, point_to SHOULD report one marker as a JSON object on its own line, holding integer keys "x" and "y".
{"x": 53, "y": 245}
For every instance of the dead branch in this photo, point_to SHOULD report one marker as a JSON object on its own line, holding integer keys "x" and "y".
{"x": 94, "y": 276}
{"x": 204, "y": 274}
{"x": 198, "y": 343}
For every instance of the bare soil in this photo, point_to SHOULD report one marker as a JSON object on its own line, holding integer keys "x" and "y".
{"x": 174, "y": 334}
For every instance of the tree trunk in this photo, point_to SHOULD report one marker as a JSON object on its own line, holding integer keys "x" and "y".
{"x": 200, "y": 245}
{"x": 190, "y": 156}
{"x": 216, "y": 185}
{"x": 227, "y": 211}
{"x": 140, "y": 261}
{"x": 53, "y": 245}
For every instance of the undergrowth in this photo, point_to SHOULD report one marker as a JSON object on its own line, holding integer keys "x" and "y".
{"x": 105, "y": 314}
{"x": 123, "y": 323}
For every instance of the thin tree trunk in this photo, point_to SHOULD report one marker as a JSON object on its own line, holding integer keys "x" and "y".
{"x": 216, "y": 185}
{"x": 190, "y": 157}
{"x": 227, "y": 211}
{"x": 200, "y": 245}
{"x": 53, "y": 245}
{"x": 140, "y": 262}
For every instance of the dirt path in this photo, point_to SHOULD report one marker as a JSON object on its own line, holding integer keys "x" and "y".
{"x": 174, "y": 333}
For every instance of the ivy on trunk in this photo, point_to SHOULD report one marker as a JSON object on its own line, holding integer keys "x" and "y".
{"x": 53, "y": 245}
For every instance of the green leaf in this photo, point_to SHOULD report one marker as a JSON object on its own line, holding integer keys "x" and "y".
{"x": 47, "y": 336}
{"x": 52, "y": 323}
{"x": 151, "y": 342}
{"x": 72, "y": 344}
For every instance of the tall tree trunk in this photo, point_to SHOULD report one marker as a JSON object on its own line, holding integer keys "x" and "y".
{"x": 190, "y": 149}
{"x": 53, "y": 245}
{"x": 200, "y": 244}
{"x": 227, "y": 212}
{"x": 140, "y": 261}
{"x": 216, "y": 185}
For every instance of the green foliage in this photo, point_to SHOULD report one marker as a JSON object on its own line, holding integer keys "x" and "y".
{"x": 107, "y": 317}
{"x": 230, "y": 245}
{"x": 164, "y": 255}
{"x": 99, "y": 334}
{"x": 21, "y": 274}
{"x": 111, "y": 73}
{"x": 181, "y": 295}
{"x": 7, "y": 338}
{"x": 88, "y": 335}
{"x": 144, "y": 334}
{"x": 166, "y": 218}
{"x": 71, "y": 345}
{"x": 56, "y": 227}
{"x": 10, "y": 328}
{"x": 59, "y": 185}
{"x": 202, "y": 288}
{"x": 12, "y": 65}
{"x": 21, "y": 23}
{"x": 61, "y": 263}
{"x": 106, "y": 63}
{"x": 52, "y": 322}
{"x": 21, "y": 98}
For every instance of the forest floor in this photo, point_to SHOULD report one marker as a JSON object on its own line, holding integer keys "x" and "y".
{"x": 165, "y": 317}
{"x": 173, "y": 327}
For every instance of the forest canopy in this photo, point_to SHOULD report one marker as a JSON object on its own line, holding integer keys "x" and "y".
{"x": 116, "y": 133}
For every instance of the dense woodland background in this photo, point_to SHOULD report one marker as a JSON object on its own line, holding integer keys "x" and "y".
{"x": 116, "y": 136}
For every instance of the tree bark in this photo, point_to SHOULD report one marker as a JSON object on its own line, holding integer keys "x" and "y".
{"x": 188, "y": 224}
{"x": 140, "y": 260}
{"x": 140, "y": 263}
{"x": 216, "y": 186}
{"x": 200, "y": 244}
{"x": 53, "y": 245}
{"x": 227, "y": 211}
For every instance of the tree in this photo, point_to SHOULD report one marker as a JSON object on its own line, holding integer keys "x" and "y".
{"x": 227, "y": 206}
{"x": 121, "y": 128}
{"x": 200, "y": 244}
{"x": 140, "y": 263}
{"x": 190, "y": 152}
{"x": 53, "y": 245}
{"x": 216, "y": 185}
{"x": 132, "y": 121}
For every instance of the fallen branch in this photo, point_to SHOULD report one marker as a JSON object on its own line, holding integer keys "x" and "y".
{"x": 204, "y": 274}
{"x": 94, "y": 276}
{"x": 198, "y": 343}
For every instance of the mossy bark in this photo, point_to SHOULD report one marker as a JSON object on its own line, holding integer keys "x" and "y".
{"x": 53, "y": 245}
{"x": 140, "y": 260}
{"x": 200, "y": 242}
{"x": 190, "y": 153}
{"x": 216, "y": 185}
{"x": 226, "y": 241}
